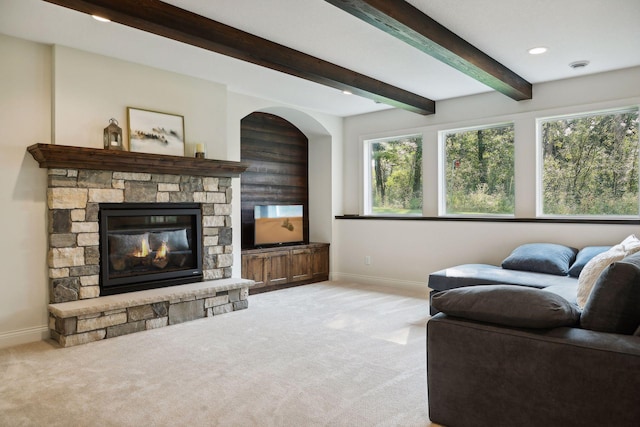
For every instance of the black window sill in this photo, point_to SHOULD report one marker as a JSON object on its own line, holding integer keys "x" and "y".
{"x": 493, "y": 219}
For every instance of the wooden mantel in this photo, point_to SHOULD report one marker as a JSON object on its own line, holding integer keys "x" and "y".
{"x": 67, "y": 157}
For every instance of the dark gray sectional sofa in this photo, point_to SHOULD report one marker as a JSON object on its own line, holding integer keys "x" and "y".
{"x": 538, "y": 265}
{"x": 485, "y": 274}
{"x": 526, "y": 355}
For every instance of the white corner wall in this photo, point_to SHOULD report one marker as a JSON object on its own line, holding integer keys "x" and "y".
{"x": 403, "y": 253}
{"x": 25, "y": 119}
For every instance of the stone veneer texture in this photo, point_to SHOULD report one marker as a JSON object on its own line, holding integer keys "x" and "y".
{"x": 98, "y": 324}
{"x": 73, "y": 198}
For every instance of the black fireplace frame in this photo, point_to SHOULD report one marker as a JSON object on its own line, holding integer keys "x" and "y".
{"x": 150, "y": 280}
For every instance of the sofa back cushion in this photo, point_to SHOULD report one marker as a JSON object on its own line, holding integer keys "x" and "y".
{"x": 509, "y": 305}
{"x": 547, "y": 258}
{"x": 614, "y": 303}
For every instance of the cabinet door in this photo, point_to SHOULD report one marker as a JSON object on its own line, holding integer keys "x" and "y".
{"x": 320, "y": 263}
{"x": 300, "y": 265}
{"x": 254, "y": 267}
{"x": 277, "y": 268}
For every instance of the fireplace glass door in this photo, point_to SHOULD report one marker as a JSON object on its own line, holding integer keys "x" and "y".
{"x": 145, "y": 246}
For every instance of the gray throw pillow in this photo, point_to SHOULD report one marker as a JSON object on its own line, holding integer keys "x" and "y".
{"x": 547, "y": 258}
{"x": 584, "y": 256}
{"x": 508, "y": 305}
{"x": 614, "y": 303}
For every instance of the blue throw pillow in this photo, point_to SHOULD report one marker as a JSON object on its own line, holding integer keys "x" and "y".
{"x": 584, "y": 256}
{"x": 547, "y": 258}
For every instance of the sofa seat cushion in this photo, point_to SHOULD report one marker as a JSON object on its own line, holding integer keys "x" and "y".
{"x": 508, "y": 305}
{"x": 549, "y": 258}
{"x": 481, "y": 274}
{"x": 566, "y": 291}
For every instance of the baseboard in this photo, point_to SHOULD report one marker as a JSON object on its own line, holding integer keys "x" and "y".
{"x": 24, "y": 336}
{"x": 381, "y": 281}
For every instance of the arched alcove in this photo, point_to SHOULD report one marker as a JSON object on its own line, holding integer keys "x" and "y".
{"x": 321, "y": 180}
{"x": 324, "y": 134}
{"x": 285, "y": 167}
{"x": 320, "y": 169}
{"x": 277, "y": 154}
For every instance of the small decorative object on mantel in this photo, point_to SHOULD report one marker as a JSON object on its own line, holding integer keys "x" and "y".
{"x": 113, "y": 136}
{"x": 200, "y": 151}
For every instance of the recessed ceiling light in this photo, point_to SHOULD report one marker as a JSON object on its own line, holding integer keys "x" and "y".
{"x": 579, "y": 64}
{"x": 100, "y": 18}
{"x": 537, "y": 50}
{"x": 347, "y": 92}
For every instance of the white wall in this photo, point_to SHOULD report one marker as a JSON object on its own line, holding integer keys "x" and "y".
{"x": 25, "y": 119}
{"x": 89, "y": 89}
{"x": 405, "y": 252}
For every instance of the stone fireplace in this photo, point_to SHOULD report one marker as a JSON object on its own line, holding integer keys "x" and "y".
{"x": 81, "y": 181}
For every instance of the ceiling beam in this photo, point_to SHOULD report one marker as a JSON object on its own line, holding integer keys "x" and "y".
{"x": 165, "y": 20}
{"x": 407, "y": 23}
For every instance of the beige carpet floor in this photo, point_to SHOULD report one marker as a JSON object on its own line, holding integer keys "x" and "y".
{"x": 325, "y": 354}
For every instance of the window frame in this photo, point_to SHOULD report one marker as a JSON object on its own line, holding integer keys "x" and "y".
{"x": 442, "y": 172}
{"x": 367, "y": 207}
{"x": 539, "y": 202}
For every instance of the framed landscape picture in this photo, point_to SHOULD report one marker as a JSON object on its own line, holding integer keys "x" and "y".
{"x": 156, "y": 133}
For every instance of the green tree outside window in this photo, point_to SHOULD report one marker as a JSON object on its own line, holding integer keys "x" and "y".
{"x": 396, "y": 176}
{"x": 479, "y": 171}
{"x": 590, "y": 164}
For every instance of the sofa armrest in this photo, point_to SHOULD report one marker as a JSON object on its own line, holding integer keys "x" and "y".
{"x": 483, "y": 374}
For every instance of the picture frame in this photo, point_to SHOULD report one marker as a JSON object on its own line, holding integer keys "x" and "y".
{"x": 155, "y": 132}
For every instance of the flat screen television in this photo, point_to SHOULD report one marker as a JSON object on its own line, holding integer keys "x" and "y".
{"x": 278, "y": 224}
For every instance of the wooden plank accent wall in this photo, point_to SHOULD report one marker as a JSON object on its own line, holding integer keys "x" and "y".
{"x": 277, "y": 154}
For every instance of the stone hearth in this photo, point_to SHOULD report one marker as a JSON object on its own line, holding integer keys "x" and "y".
{"x": 83, "y": 321}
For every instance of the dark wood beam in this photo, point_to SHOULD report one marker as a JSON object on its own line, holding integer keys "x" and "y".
{"x": 407, "y": 23}
{"x": 165, "y": 20}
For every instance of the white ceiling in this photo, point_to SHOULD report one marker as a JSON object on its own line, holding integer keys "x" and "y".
{"x": 604, "y": 32}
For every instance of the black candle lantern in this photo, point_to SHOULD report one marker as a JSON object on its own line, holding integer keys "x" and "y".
{"x": 113, "y": 136}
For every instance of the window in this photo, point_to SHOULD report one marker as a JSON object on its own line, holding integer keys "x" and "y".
{"x": 589, "y": 164}
{"x": 478, "y": 169}
{"x": 393, "y": 183}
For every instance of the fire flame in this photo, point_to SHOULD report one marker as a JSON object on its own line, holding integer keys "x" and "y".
{"x": 162, "y": 251}
{"x": 144, "y": 249}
